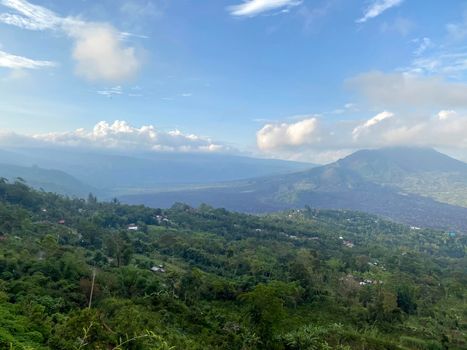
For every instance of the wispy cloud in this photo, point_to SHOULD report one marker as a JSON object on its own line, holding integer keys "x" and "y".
{"x": 19, "y": 62}
{"x": 361, "y": 129}
{"x": 444, "y": 61}
{"x": 377, "y": 8}
{"x": 98, "y": 48}
{"x": 347, "y": 108}
{"x": 113, "y": 91}
{"x": 445, "y": 58}
{"x": 127, "y": 35}
{"x": 457, "y": 31}
{"x": 312, "y": 16}
{"x": 423, "y": 44}
{"x": 30, "y": 16}
{"x": 251, "y": 8}
{"x": 137, "y": 9}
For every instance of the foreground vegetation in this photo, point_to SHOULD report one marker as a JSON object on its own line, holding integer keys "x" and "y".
{"x": 74, "y": 276}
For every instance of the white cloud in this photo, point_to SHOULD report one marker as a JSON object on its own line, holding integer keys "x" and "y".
{"x": 19, "y": 62}
{"x": 251, "y": 8}
{"x": 101, "y": 56}
{"x": 118, "y": 135}
{"x": 32, "y": 17}
{"x": 409, "y": 91}
{"x": 444, "y": 115}
{"x": 327, "y": 141}
{"x": 98, "y": 48}
{"x": 445, "y": 130}
{"x": 369, "y": 124}
{"x": 377, "y": 8}
{"x": 276, "y": 136}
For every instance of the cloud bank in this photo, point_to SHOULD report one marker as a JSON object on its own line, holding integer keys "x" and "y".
{"x": 118, "y": 135}
{"x": 312, "y": 138}
{"x": 377, "y": 8}
{"x": 99, "y": 52}
{"x": 251, "y": 8}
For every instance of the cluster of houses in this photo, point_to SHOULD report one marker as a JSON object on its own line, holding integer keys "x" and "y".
{"x": 347, "y": 243}
{"x": 361, "y": 282}
{"x": 367, "y": 282}
{"x": 294, "y": 237}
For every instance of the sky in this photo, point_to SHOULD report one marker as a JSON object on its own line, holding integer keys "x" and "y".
{"x": 309, "y": 80}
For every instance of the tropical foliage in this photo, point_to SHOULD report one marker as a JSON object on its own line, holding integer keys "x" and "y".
{"x": 81, "y": 274}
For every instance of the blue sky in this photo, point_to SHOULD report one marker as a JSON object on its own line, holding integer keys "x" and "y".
{"x": 310, "y": 80}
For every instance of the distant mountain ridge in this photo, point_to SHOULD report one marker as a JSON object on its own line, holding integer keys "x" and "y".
{"x": 418, "y": 186}
{"x": 376, "y": 181}
{"x": 46, "y": 179}
{"x": 115, "y": 172}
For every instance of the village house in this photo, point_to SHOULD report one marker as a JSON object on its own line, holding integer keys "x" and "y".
{"x": 159, "y": 268}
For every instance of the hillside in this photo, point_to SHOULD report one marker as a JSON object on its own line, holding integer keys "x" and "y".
{"x": 415, "y": 170}
{"x": 47, "y": 179}
{"x": 371, "y": 181}
{"x": 205, "y": 278}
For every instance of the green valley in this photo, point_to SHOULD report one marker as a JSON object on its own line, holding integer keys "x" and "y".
{"x": 206, "y": 278}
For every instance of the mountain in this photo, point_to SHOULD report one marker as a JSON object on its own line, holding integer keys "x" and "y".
{"x": 115, "y": 173}
{"x": 415, "y": 170}
{"x": 380, "y": 181}
{"x": 46, "y": 179}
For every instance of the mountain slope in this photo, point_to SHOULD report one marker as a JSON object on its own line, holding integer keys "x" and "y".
{"x": 421, "y": 171}
{"x": 49, "y": 180}
{"x": 352, "y": 183}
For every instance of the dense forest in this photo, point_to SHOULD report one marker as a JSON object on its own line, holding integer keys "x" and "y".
{"x": 84, "y": 274}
